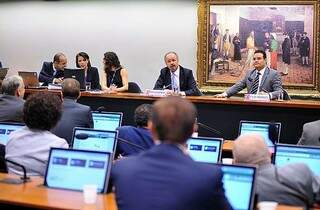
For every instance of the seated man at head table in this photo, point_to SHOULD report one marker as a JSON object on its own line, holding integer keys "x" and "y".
{"x": 53, "y": 72}
{"x": 175, "y": 78}
{"x": 260, "y": 80}
{"x": 11, "y": 99}
{"x": 73, "y": 113}
{"x": 165, "y": 176}
{"x": 292, "y": 184}
{"x": 30, "y": 146}
{"x": 139, "y": 135}
{"x": 310, "y": 134}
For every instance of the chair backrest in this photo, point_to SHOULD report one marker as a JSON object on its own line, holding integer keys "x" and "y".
{"x": 286, "y": 95}
{"x": 3, "y": 164}
{"x": 133, "y": 88}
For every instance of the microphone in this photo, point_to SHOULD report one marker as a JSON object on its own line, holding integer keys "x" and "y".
{"x": 101, "y": 109}
{"x": 165, "y": 87}
{"x": 210, "y": 129}
{"x": 85, "y": 136}
{"x": 24, "y": 178}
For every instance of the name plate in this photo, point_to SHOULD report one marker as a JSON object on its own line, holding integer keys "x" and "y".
{"x": 54, "y": 86}
{"x": 257, "y": 97}
{"x": 155, "y": 93}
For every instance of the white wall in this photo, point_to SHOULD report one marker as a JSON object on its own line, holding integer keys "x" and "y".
{"x": 140, "y": 32}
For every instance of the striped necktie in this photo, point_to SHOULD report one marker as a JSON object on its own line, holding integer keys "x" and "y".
{"x": 174, "y": 84}
{"x": 255, "y": 84}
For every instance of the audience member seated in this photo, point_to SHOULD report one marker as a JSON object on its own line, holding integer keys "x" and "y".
{"x": 11, "y": 100}
{"x": 52, "y": 72}
{"x": 310, "y": 134}
{"x": 116, "y": 75}
{"x": 30, "y": 145}
{"x": 292, "y": 184}
{"x": 165, "y": 176}
{"x": 91, "y": 73}
{"x": 175, "y": 78}
{"x": 73, "y": 113}
{"x": 139, "y": 135}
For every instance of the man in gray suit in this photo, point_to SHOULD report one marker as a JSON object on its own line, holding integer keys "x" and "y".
{"x": 260, "y": 80}
{"x": 73, "y": 113}
{"x": 11, "y": 100}
{"x": 310, "y": 134}
{"x": 292, "y": 184}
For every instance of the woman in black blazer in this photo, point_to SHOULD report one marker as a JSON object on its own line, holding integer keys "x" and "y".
{"x": 91, "y": 73}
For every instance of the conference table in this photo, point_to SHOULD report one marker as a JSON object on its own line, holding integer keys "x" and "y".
{"x": 34, "y": 195}
{"x": 223, "y": 115}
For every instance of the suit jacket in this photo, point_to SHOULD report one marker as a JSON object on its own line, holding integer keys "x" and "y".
{"x": 166, "y": 178}
{"x": 93, "y": 77}
{"x": 73, "y": 115}
{"x": 296, "y": 185}
{"x": 310, "y": 134}
{"x": 270, "y": 83}
{"x": 46, "y": 73}
{"x": 140, "y": 136}
{"x": 187, "y": 82}
{"x": 11, "y": 108}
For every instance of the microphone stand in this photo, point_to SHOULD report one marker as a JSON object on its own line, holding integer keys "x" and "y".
{"x": 210, "y": 129}
{"x": 24, "y": 178}
{"x": 121, "y": 140}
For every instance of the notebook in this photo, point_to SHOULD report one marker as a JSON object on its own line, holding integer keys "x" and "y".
{"x": 310, "y": 155}
{"x": 30, "y": 79}
{"x": 6, "y": 128}
{"x": 239, "y": 185}
{"x": 269, "y": 131}
{"x": 92, "y": 139}
{"x": 204, "y": 149}
{"x": 72, "y": 169}
{"x": 77, "y": 74}
{"x": 106, "y": 120}
{"x": 3, "y": 73}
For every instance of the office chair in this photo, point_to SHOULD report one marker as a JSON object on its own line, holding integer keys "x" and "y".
{"x": 286, "y": 95}
{"x": 3, "y": 164}
{"x": 133, "y": 88}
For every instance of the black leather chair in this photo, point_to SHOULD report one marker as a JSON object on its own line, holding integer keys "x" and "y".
{"x": 3, "y": 164}
{"x": 286, "y": 95}
{"x": 133, "y": 88}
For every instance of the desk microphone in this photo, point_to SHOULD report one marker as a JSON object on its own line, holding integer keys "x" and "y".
{"x": 210, "y": 129}
{"x": 165, "y": 87}
{"x": 24, "y": 178}
{"x": 101, "y": 109}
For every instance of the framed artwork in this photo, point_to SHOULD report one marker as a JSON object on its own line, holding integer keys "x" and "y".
{"x": 230, "y": 31}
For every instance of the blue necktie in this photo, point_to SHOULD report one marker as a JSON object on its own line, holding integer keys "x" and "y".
{"x": 255, "y": 84}
{"x": 173, "y": 82}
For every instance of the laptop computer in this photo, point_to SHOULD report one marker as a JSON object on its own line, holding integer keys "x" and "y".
{"x": 204, "y": 149}
{"x": 268, "y": 130}
{"x": 310, "y": 155}
{"x": 30, "y": 79}
{"x": 72, "y": 169}
{"x": 6, "y": 128}
{"x": 106, "y": 120}
{"x": 239, "y": 185}
{"x": 91, "y": 139}
{"x": 77, "y": 74}
{"x": 3, "y": 73}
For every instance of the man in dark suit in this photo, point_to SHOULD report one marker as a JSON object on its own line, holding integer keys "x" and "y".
{"x": 139, "y": 135}
{"x": 11, "y": 100}
{"x": 52, "y": 72}
{"x": 165, "y": 176}
{"x": 310, "y": 134}
{"x": 73, "y": 113}
{"x": 260, "y": 80}
{"x": 175, "y": 78}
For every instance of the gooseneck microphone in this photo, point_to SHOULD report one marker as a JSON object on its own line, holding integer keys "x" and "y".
{"x": 165, "y": 87}
{"x": 210, "y": 129}
{"x": 24, "y": 178}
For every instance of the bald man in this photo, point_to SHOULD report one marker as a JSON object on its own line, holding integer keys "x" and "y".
{"x": 165, "y": 176}
{"x": 293, "y": 184}
{"x": 53, "y": 72}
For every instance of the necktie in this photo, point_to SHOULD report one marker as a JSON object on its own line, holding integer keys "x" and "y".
{"x": 174, "y": 82}
{"x": 255, "y": 84}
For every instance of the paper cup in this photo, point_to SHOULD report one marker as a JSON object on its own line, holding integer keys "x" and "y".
{"x": 227, "y": 161}
{"x": 90, "y": 193}
{"x": 267, "y": 205}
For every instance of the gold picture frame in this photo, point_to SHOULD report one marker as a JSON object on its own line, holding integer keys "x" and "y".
{"x": 218, "y": 21}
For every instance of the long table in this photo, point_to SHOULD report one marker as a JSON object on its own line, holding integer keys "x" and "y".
{"x": 33, "y": 195}
{"x": 223, "y": 115}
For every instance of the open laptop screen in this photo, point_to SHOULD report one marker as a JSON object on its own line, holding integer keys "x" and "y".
{"x": 91, "y": 139}
{"x": 5, "y": 130}
{"x": 77, "y": 74}
{"x": 106, "y": 120}
{"x": 72, "y": 169}
{"x": 204, "y": 149}
{"x": 269, "y": 131}
{"x": 238, "y": 183}
{"x": 285, "y": 154}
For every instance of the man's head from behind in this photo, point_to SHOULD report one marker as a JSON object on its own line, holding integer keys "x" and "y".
{"x": 251, "y": 149}
{"x": 142, "y": 115}
{"x": 42, "y": 111}
{"x": 173, "y": 120}
{"x": 70, "y": 88}
{"x": 59, "y": 61}
{"x": 13, "y": 86}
